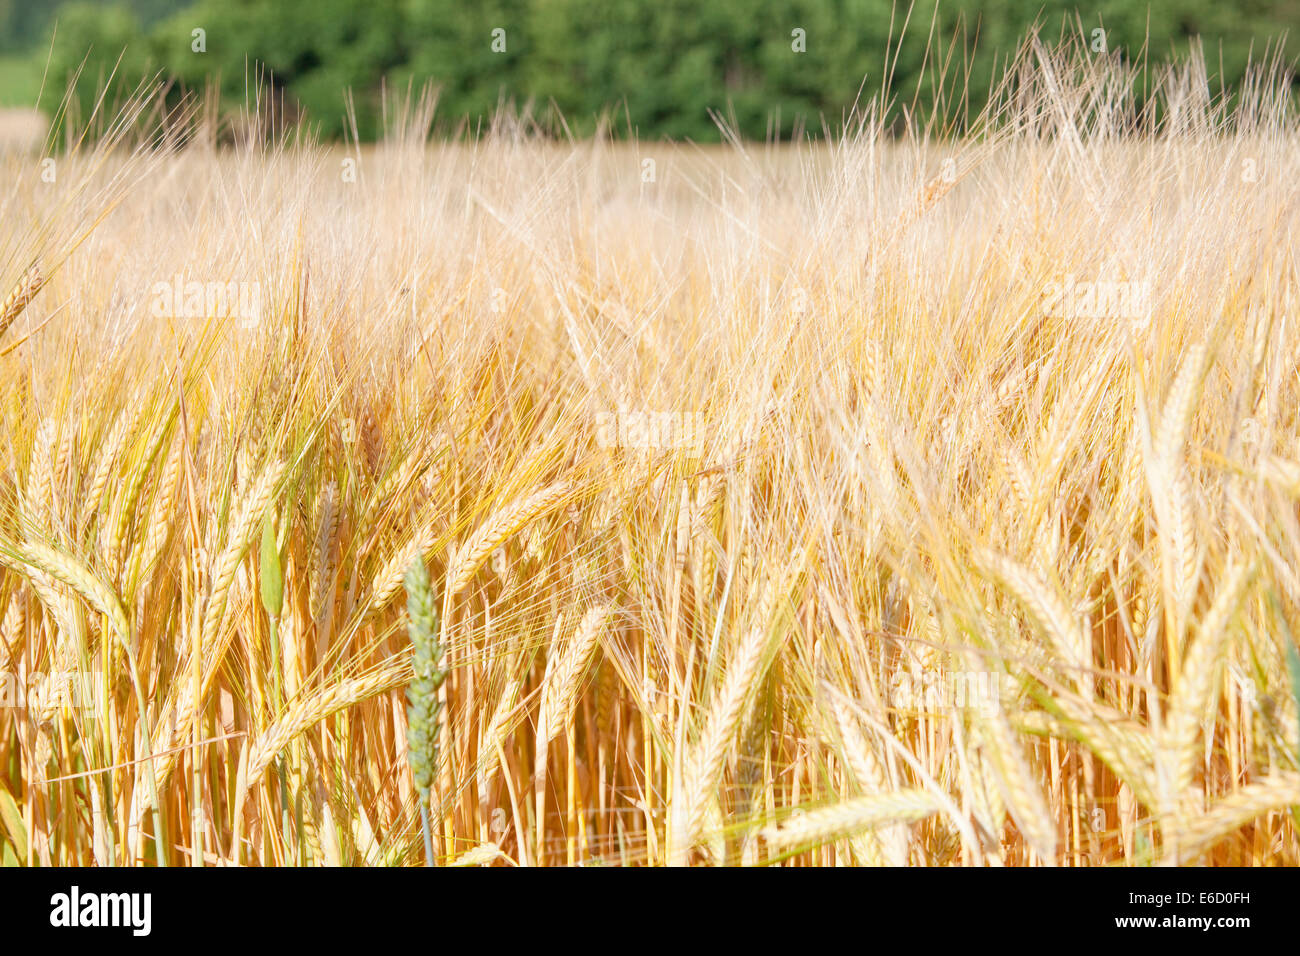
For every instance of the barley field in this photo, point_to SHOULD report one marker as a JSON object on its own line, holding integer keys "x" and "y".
{"x": 902, "y": 499}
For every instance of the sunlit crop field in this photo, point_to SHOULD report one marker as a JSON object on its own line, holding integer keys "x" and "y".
{"x": 899, "y": 500}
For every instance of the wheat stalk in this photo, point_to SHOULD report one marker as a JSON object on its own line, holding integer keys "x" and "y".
{"x": 1278, "y": 791}
{"x": 564, "y": 679}
{"x": 28, "y": 285}
{"x": 850, "y": 817}
{"x": 702, "y": 767}
{"x": 497, "y": 528}
{"x": 308, "y": 711}
{"x": 1191, "y": 694}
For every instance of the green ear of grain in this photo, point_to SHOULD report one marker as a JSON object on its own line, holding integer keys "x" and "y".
{"x": 12, "y": 820}
{"x": 422, "y": 694}
{"x": 1293, "y": 665}
{"x": 272, "y": 580}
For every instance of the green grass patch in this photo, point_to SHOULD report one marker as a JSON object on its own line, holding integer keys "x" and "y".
{"x": 20, "y": 79}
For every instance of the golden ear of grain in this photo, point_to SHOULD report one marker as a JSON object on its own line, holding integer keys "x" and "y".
{"x": 1115, "y": 740}
{"x": 212, "y": 639}
{"x": 1020, "y": 791}
{"x": 560, "y": 689}
{"x": 498, "y": 728}
{"x": 388, "y": 579}
{"x": 74, "y": 574}
{"x": 1058, "y": 622}
{"x": 702, "y": 767}
{"x": 292, "y": 632}
{"x": 1180, "y": 406}
{"x": 163, "y": 518}
{"x": 1180, "y": 559}
{"x": 812, "y": 828}
{"x": 309, "y": 711}
{"x": 13, "y": 629}
{"x": 500, "y": 526}
{"x": 991, "y": 809}
{"x": 322, "y": 568}
{"x": 564, "y": 680}
{"x": 101, "y": 597}
{"x": 482, "y": 855}
{"x": 243, "y": 530}
{"x": 870, "y": 777}
{"x": 28, "y": 285}
{"x": 1194, "y": 686}
{"x": 1278, "y": 791}
{"x": 1172, "y": 491}
{"x": 106, "y": 459}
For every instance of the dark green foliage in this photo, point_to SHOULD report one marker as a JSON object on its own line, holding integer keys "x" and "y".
{"x": 450, "y": 43}
{"x": 658, "y": 67}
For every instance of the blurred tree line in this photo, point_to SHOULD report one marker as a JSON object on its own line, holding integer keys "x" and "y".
{"x": 661, "y": 66}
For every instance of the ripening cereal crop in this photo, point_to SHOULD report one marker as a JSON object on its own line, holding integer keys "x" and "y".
{"x": 902, "y": 498}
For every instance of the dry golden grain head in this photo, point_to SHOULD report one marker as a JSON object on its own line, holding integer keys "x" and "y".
{"x": 472, "y": 555}
{"x": 28, "y": 285}
{"x": 563, "y": 681}
{"x": 850, "y": 817}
